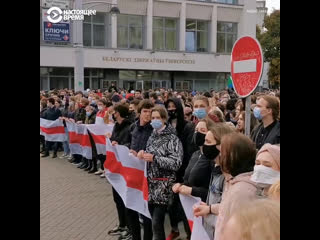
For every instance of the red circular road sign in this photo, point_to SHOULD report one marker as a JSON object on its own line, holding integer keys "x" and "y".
{"x": 246, "y": 65}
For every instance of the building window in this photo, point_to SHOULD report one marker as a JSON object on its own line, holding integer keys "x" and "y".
{"x": 164, "y": 34}
{"x": 94, "y": 30}
{"x": 226, "y": 36}
{"x": 130, "y": 31}
{"x": 228, "y": 1}
{"x": 182, "y": 85}
{"x": 196, "y": 36}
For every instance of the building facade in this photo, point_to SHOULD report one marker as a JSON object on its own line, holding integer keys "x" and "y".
{"x": 179, "y": 44}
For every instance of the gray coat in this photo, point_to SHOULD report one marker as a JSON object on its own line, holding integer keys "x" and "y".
{"x": 161, "y": 172}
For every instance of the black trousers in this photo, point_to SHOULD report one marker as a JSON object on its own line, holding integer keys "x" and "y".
{"x": 134, "y": 225}
{"x": 158, "y": 213}
{"x": 177, "y": 214}
{"x": 51, "y": 145}
{"x": 102, "y": 159}
{"x": 121, "y": 209}
{"x": 43, "y": 142}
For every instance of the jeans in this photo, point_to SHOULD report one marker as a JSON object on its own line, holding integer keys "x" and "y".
{"x": 158, "y": 213}
{"x": 66, "y": 147}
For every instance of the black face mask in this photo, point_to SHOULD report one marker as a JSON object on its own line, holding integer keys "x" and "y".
{"x": 199, "y": 138}
{"x": 114, "y": 118}
{"x": 210, "y": 151}
{"x": 172, "y": 114}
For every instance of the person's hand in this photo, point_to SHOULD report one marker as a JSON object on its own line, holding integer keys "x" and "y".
{"x": 133, "y": 152}
{"x": 108, "y": 135}
{"x": 79, "y": 122}
{"x": 114, "y": 143}
{"x": 185, "y": 190}
{"x": 148, "y": 157}
{"x": 71, "y": 120}
{"x": 175, "y": 187}
{"x": 60, "y": 118}
{"x": 140, "y": 154}
{"x": 201, "y": 210}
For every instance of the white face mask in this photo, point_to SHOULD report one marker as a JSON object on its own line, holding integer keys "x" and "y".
{"x": 100, "y": 108}
{"x": 264, "y": 176}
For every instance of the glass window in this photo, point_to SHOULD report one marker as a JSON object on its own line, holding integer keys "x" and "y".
{"x": 226, "y": 36}
{"x": 127, "y": 75}
{"x": 94, "y": 30}
{"x": 130, "y": 31}
{"x": 164, "y": 34}
{"x": 196, "y": 36}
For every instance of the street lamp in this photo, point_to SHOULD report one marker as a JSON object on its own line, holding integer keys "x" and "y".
{"x": 78, "y": 41}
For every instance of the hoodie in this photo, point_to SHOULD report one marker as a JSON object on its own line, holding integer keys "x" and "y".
{"x": 236, "y": 190}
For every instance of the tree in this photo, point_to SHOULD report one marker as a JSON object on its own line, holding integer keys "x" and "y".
{"x": 270, "y": 43}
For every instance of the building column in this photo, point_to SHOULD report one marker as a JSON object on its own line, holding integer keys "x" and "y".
{"x": 182, "y": 32}
{"x": 78, "y": 51}
{"x": 114, "y": 31}
{"x": 214, "y": 23}
{"x": 149, "y": 24}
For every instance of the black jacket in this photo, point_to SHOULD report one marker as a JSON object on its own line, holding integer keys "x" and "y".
{"x": 140, "y": 135}
{"x": 198, "y": 174}
{"x": 185, "y": 131}
{"x": 52, "y": 114}
{"x": 272, "y": 138}
{"x": 121, "y": 133}
{"x": 42, "y": 112}
{"x": 80, "y": 115}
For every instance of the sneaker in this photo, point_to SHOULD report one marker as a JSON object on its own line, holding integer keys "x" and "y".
{"x": 125, "y": 236}
{"x": 69, "y": 157}
{"x": 98, "y": 172}
{"x": 102, "y": 175}
{"x": 117, "y": 231}
{"x": 173, "y": 235}
{"x": 63, "y": 156}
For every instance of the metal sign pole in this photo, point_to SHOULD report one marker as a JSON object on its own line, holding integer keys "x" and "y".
{"x": 248, "y": 116}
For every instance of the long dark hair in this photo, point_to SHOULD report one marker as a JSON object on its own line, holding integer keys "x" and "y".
{"x": 180, "y": 114}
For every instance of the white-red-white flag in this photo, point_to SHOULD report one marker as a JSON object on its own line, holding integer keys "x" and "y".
{"x": 195, "y": 223}
{"x": 98, "y": 133}
{"x": 52, "y": 131}
{"x": 79, "y": 140}
{"x": 127, "y": 175}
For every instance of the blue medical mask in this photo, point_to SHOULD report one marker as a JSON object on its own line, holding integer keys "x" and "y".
{"x": 200, "y": 113}
{"x": 124, "y": 95}
{"x": 88, "y": 114}
{"x": 257, "y": 113}
{"x": 156, "y": 124}
{"x": 93, "y": 102}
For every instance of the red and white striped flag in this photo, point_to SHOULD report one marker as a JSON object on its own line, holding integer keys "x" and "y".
{"x": 127, "y": 175}
{"x": 52, "y": 131}
{"x": 195, "y": 223}
{"x": 98, "y": 133}
{"x": 79, "y": 140}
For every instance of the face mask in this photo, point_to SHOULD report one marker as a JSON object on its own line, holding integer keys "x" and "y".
{"x": 156, "y": 124}
{"x": 257, "y": 113}
{"x": 89, "y": 98}
{"x": 199, "y": 138}
{"x": 88, "y": 114}
{"x": 210, "y": 151}
{"x": 200, "y": 113}
{"x": 124, "y": 95}
{"x": 172, "y": 114}
{"x": 71, "y": 103}
{"x": 63, "y": 102}
{"x": 264, "y": 176}
{"x": 93, "y": 101}
{"x": 100, "y": 108}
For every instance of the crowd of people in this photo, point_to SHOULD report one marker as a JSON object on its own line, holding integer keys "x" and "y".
{"x": 194, "y": 144}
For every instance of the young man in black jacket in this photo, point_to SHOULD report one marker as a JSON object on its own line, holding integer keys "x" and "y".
{"x": 52, "y": 114}
{"x": 120, "y": 135}
{"x": 140, "y": 133}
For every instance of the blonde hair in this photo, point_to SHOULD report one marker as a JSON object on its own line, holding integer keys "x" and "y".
{"x": 274, "y": 191}
{"x": 219, "y": 130}
{"x": 258, "y": 219}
